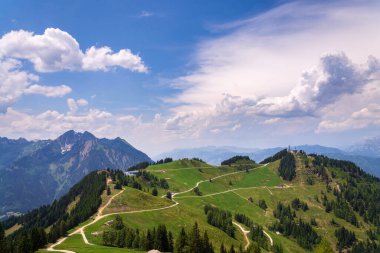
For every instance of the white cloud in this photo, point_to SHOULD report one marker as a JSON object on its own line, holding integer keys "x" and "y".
{"x": 259, "y": 60}
{"x": 365, "y": 117}
{"x": 49, "y": 91}
{"x": 57, "y": 50}
{"x": 145, "y": 14}
{"x": 75, "y": 104}
{"x": 264, "y": 56}
{"x": 82, "y": 102}
{"x": 334, "y": 77}
{"x": 13, "y": 82}
{"x": 103, "y": 58}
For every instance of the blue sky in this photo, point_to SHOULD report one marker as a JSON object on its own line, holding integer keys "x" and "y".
{"x": 165, "y": 74}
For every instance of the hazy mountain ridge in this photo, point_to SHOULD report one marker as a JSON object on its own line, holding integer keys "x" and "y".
{"x": 49, "y": 171}
{"x": 215, "y": 155}
{"x": 368, "y": 147}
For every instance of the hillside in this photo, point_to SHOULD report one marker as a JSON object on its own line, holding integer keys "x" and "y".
{"x": 327, "y": 205}
{"x": 50, "y": 168}
{"x": 364, "y": 154}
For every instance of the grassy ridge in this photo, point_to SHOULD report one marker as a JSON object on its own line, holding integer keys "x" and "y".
{"x": 230, "y": 193}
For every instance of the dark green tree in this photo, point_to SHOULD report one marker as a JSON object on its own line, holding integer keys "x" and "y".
{"x": 195, "y": 243}
{"x": 154, "y": 191}
{"x": 222, "y": 248}
{"x": 2, "y": 237}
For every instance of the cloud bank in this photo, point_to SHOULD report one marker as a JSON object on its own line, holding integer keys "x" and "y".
{"x": 299, "y": 62}
{"x": 54, "y": 50}
{"x": 57, "y": 50}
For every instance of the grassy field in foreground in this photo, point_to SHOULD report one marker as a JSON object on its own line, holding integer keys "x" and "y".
{"x": 232, "y": 192}
{"x": 174, "y": 218}
{"x": 75, "y": 243}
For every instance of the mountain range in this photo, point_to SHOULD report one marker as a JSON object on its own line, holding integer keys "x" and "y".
{"x": 34, "y": 173}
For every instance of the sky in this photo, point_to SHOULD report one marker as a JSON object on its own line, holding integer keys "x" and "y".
{"x": 179, "y": 74}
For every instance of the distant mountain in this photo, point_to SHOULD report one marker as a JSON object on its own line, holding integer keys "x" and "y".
{"x": 369, "y": 147}
{"x": 11, "y": 150}
{"x": 45, "y": 170}
{"x": 215, "y": 155}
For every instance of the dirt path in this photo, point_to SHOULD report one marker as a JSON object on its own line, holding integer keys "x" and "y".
{"x": 232, "y": 190}
{"x": 100, "y": 215}
{"x": 51, "y": 248}
{"x": 269, "y": 237}
{"x": 245, "y": 233}
{"x": 208, "y": 180}
{"x": 81, "y": 229}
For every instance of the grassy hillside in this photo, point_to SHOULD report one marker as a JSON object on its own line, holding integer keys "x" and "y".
{"x": 235, "y": 190}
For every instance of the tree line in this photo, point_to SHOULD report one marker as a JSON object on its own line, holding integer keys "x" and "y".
{"x": 221, "y": 219}
{"x": 234, "y": 159}
{"x": 286, "y": 224}
{"x": 256, "y": 231}
{"x": 287, "y": 169}
{"x": 121, "y": 236}
{"x": 299, "y": 204}
{"x": 137, "y": 181}
{"x": 279, "y": 155}
{"x": 32, "y": 235}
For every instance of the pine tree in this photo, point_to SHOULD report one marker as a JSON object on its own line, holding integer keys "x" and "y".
{"x": 108, "y": 190}
{"x": 2, "y": 237}
{"x": 194, "y": 239}
{"x": 38, "y": 238}
{"x": 24, "y": 244}
{"x": 162, "y": 238}
{"x": 118, "y": 224}
{"x": 181, "y": 242}
{"x": 136, "y": 240}
{"x": 154, "y": 191}
{"x": 222, "y": 248}
{"x": 171, "y": 244}
{"x": 149, "y": 240}
{"x": 143, "y": 242}
{"x": 207, "y": 246}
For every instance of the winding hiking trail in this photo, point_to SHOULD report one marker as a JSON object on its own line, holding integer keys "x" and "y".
{"x": 269, "y": 237}
{"x": 245, "y": 233}
{"x": 100, "y": 215}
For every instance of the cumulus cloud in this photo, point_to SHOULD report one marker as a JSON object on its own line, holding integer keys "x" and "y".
{"x": 248, "y": 75}
{"x": 15, "y": 82}
{"x": 75, "y": 104}
{"x": 365, "y": 117}
{"x": 57, "y": 50}
{"x": 49, "y": 91}
{"x": 334, "y": 77}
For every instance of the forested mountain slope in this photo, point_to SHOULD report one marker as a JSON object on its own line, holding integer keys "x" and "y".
{"x": 292, "y": 203}
{"x": 50, "y": 170}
